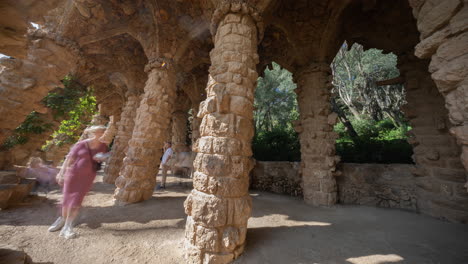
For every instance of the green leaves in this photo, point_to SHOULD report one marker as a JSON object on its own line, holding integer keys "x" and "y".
{"x": 275, "y": 108}
{"x": 79, "y": 116}
{"x": 62, "y": 101}
{"x": 275, "y": 101}
{"x": 33, "y": 124}
{"x": 74, "y": 104}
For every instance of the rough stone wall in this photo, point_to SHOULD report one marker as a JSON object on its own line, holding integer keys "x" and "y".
{"x": 137, "y": 177}
{"x": 49, "y": 59}
{"x": 381, "y": 185}
{"x": 444, "y": 39}
{"x": 315, "y": 128}
{"x": 219, "y": 206}
{"x": 111, "y": 130}
{"x": 440, "y": 176}
{"x": 15, "y": 19}
{"x": 196, "y": 122}
{"x": 277, "y": 177}
{"x": 124, "y": 134}
{"x": 20, "y": 154}
{"x": 179, "y": 130}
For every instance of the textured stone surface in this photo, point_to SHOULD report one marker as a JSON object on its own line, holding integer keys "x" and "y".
{"x": 278, "y": 177}
{"x": 219, "y": 206}
{"x": 316, "y": 135}
{"x": 378, "y": 185}
{"x": 136, "y": 180}
{"x": 30, "y": 79}
{"x": 124, "y": 134}
{"x": 449, "y": 70}
{"x": 101, "y": 40}
{"x": 179, "y": 130}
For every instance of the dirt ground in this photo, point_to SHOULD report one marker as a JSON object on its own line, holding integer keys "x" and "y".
{"x": 282, "y": 230}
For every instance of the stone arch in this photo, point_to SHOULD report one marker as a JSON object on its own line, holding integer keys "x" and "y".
{"x": 438, "y": 174}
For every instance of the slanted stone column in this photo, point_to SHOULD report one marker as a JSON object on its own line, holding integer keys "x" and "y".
{"x": 219, "y": 206}
{"x": 124, "y": 134}
{"x": 111, "y": 130}
{"x": 442, "y": 25}
{"x": 179, "y": 130}
{"x": 196, "y": 121}
{"x": 439, "y": 173}
{"x": 137, "y": 176}
{"x": 316, "y": 135}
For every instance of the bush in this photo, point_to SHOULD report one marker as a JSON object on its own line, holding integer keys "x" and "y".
{"x": 276, "y": 145}
{"x": 378, "y": 142}
{"x": 375, "y": 151}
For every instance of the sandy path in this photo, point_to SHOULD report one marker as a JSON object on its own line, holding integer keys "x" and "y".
{"x": 281, "y": 230}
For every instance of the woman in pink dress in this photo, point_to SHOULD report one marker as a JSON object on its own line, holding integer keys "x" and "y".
{"x": 78, "y": 178}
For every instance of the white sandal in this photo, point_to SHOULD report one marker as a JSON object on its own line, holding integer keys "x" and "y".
{"x": 57, "y": 225}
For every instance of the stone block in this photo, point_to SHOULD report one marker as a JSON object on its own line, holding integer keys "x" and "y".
{"x": 239, "y": 210}
{"x": 215, "y": 164}
{"x": 231, "y": 238}
{"x": 21, "y": 191}
{"x": 205, "y": 183}
{"x": 449, "y": 76}
{"x": 453, "y": 47}
{"x": 227, "y": 146}
{"x": 449, "y": 174}
{"x": 207, "y": 239}
{"x": 236, "y": 89}
{"x": 210, "y": 258}
{"x": 192, "y": 254}
{"x": 9, "y": 177}
{"x": 190, "y": 230}
{"x": 433, "y": 14}
{"x": 232, "y": 18}
{"x": 241, "y": 106}
{"x": 205, "y": 145}
{"x": 207, "y": 209}
{"x": 240, "y": 166}
{"x": 428, "y": 46}
{"x": 231, "y": 187}
{"x": 458, "y": 22}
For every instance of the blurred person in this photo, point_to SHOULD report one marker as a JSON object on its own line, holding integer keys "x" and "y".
{"x": 77, "y": 176}
{"x": 165, "y": 164}
{"x": 37, "y": 169}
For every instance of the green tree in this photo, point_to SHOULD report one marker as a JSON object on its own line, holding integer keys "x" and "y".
{"x": 275, "y": 101}
{"x": 355, "y": 76}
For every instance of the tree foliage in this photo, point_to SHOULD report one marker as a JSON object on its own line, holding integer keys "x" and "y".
{"x": 64, "y": 100}
{"x": 78, "y": 117}
{"x": 355, "y": 73}
{"x": 275, "y": 101}
{"x": 372, "y": 127}
{"x": 275, "y": 109}
{"x": 33, "y": 124}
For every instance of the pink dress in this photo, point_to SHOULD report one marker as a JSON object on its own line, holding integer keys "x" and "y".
{"x": 80, "y": 176}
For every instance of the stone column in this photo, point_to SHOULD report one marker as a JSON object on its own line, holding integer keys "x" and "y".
{"x": 179, "y": 130}
{"x": 442, "y": 26}
{"x": 168, "y": 132}
{"x": 219, "y": 206}
{"x": 440, "y": 175}
{"x": 137, "y": 176}
{"x": 124, "y": 134}
{"x": 111, "y": 130}
{"x": 316, "y": 135}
